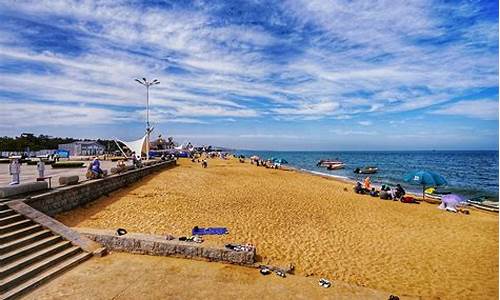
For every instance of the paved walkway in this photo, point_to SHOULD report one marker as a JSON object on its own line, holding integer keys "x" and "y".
{"x": 30, "y": 173}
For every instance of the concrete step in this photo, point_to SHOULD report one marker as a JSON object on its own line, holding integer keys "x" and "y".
{"x": 11, "y": 219}
{"x": 31, "y": 247}
{"x": 6, "y": 211}
{"x": 21, "y": 242}
{"x": 15, "y": 225}
{"x": 22, "y": 262}
{"x": 18, "y": 234}
{"x": 44, "y": 276}
{"x": 25, "y": 274}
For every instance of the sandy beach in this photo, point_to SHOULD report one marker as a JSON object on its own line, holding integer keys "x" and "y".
{"x": 317, "y": 224}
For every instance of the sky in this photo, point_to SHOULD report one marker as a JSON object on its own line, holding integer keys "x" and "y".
{"x": 269, "y": 75}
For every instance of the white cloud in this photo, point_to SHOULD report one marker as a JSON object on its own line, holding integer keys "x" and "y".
{"x": 365, "y": 123}
{"x": 269, "y": 136}
{"x": 36, "y": 114}
{"x": 481, "y": 109}
{"x": 350, "y": 132}
{"x": 362, "y": 54}
{"x": 310, "y": 109}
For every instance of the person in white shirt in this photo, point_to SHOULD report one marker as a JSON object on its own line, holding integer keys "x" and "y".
{"x": 40, "y": 166}
{"x": 15, "y": 171}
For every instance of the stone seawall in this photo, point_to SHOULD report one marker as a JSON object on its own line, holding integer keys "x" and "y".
{"x": 159, "y": 246}
{"x": 69, "y": 197}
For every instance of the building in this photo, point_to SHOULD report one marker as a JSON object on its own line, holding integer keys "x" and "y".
{"x": 83, "y": 148}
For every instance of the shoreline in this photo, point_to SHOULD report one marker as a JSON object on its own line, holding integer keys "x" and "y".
{"x": 344, "y": 179}
{"x": 352, "y": 181}
{"x": 466, "y": 173}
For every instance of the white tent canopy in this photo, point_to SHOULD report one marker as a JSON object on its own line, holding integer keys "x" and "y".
{"x": 138, "y": 146}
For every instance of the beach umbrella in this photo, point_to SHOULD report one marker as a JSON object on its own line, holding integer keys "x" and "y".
{"x": 425, "y": 179}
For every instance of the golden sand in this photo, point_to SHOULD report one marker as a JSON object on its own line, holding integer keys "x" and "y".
{"x": 318, "y": 224}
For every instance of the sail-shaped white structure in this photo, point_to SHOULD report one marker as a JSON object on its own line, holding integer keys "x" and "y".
{"x": 139, "y": 146}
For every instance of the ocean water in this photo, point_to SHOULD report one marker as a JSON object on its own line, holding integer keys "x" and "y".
{"x": 469, "y": 173}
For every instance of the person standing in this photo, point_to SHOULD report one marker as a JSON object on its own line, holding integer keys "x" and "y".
{"x": 40, "y": 166}
{"x": 15, "y": 171}
{"x": 367, "y": 184}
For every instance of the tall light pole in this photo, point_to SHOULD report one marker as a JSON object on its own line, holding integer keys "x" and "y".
{"x": 147, "y": 84}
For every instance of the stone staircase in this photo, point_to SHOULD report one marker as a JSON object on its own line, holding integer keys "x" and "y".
{"x": 31, "y": 254}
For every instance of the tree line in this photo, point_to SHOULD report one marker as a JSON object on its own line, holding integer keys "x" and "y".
{"x": 29, "y": 142}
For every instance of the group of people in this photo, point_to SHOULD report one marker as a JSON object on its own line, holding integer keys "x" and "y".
{"x": 94, "y": 170}
{"x": 196, "y": 158}
{"x": 15, "y": 170}
{"x": 265, "y": 163}
{"x": 385, "y": 193}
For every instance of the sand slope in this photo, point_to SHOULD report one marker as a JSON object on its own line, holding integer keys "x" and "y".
{"x": 315, "y": 224}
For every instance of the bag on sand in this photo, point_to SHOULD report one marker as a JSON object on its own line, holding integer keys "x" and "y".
{"x": 408, "y": 199}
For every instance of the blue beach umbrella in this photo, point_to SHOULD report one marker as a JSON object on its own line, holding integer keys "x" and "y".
{"x": 425, "y": 179}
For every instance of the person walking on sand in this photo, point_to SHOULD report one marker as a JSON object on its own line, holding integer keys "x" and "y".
{"x": 15, "y": 171}
{"x": 204, "y": 163}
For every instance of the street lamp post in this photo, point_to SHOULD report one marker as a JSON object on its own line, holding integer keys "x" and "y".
{"x": 147, "y": 84}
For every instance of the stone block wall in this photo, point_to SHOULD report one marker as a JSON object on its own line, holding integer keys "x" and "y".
{"x": 157, "y": 245}
{"x": 69, "y": 197}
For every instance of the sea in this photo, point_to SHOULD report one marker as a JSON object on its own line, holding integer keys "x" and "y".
{"x": 469, "y": 173}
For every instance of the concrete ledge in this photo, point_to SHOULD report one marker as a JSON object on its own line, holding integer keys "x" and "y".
{"x": 23, "y": 188}
{"x": 56, "y": 227}
{"x": 158, "y": 245}
{"x": 68, "y": 180}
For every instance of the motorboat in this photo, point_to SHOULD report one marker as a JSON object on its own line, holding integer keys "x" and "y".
{"x": 335, "y": 166}
{"x": 366, "y": 170}
{"x": 328, "y": 162}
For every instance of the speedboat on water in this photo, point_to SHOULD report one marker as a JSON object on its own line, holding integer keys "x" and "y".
{"x": 366, "y": 170}
{"x": 328, "y": 162}
{"x": 335, "y": 166}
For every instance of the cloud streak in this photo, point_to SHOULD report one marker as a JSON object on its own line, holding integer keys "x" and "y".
{"x": 481, "y": 109}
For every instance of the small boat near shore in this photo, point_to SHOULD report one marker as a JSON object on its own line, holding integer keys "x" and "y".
{"x": 328, "y": 162}
{"x": 435, "y": 194}
{"x": 366, "y": 170}
{"x": 335, "y": 166}
{"x": 483, "y": 203}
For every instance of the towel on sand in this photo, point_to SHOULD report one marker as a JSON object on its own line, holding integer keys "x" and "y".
{"x": 209, "y": 230}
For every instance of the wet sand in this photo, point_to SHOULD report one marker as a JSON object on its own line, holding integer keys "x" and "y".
{"x": 318, "y": 224}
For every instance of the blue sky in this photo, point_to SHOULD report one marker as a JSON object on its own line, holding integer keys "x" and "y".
{"x": 282, "y": 75}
